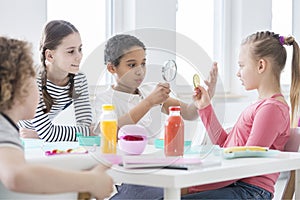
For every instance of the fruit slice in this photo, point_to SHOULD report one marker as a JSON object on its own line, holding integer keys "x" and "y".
{"x": 196, "y": 80}
{"x": 244, "y": 148}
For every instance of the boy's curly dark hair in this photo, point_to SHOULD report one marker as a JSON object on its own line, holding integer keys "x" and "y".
{"x": 117, "y": 46}
{"x": 16, "y": 67}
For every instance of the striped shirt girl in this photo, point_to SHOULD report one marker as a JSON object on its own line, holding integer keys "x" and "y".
{"x": 42, "y": 122}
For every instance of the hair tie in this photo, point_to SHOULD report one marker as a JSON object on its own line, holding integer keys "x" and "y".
{"x": 281, "y": 40}
{"x": 44, "y": 87}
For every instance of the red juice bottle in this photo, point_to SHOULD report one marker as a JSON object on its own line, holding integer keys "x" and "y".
{"x": 174, "y": 133}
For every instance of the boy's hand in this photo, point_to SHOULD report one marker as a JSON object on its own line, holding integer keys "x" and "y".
{"x": 102, "y": 186}
{"x": 160, "y": 94}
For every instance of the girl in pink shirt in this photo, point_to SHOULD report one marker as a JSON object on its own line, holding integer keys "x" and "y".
{"x": 265, "y": 123}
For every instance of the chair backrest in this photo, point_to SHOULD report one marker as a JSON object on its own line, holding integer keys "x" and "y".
{"x": 292, "y": 145}
{"x": 293, "y": 142}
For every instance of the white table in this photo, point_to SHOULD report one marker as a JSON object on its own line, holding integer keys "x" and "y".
{"x": 173, "y": 180}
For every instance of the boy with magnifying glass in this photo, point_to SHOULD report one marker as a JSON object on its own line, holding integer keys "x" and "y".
{"x": 135, "y": 102}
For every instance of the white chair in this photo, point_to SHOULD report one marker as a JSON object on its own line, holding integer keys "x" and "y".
{"x": 9, "y": 195}
{"x": 293, "y": 143}
{"x": 292, "y": 146}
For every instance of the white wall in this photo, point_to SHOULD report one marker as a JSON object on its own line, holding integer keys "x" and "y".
{"x": 248, "y": 16}
{"x": 23, "y": 19}
{"x": 134, "y": 14}
{"x": 148, "y": 20}
{"x": 241, "y": 19}
{"x": 296, "y": 23}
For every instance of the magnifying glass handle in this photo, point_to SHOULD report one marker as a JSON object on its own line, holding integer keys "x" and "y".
{"x": 173, "y": 93}
{"x": 169, "y": 72}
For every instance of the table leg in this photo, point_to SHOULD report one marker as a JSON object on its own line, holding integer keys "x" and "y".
{"x": 84, "y": 196}
{"x": 172, "y": 193}
{"x": 297, "y": 184}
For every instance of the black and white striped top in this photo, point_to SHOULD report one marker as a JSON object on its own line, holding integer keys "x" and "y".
{"x": 42, "y": 122}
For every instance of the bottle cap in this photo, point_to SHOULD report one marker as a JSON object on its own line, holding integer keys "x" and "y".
{"x": 174, "y": 108}
{"x": 108, "y": 107}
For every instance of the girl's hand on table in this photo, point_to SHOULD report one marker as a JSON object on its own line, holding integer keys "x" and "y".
{"x": 93, "y": 130}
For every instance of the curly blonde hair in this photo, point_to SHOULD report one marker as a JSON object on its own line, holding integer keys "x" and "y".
{"x": 16, "y": 67}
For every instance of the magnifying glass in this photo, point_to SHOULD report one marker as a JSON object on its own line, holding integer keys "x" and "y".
{"x": 169, "y": 70}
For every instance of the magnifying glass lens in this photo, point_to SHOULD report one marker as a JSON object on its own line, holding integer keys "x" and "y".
{"x": 169, "y": 70}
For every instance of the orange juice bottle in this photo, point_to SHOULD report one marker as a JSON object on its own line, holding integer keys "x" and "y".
{"x": 174, "y": 133}
{"x": 108, "y": 127}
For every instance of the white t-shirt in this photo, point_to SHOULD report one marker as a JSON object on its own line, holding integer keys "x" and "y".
{"x": 123, "y": 102}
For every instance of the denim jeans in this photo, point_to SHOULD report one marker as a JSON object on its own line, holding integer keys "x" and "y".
{"x": 238, "y": 190}
{"x": 128, "y": 191}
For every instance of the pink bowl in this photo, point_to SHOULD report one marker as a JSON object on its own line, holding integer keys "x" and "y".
{"x": 132, "y": 139}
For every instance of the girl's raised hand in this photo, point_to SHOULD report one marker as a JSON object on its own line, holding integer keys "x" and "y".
{"x": 201, "y": 97}
{"x": 211, "y": 82}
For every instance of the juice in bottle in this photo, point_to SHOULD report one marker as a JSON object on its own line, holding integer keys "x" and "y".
{"x": 174, "y": 133}
{"x": 109, "y": 128}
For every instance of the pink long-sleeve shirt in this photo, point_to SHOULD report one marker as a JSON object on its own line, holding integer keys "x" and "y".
{"x": 265, "y": 123}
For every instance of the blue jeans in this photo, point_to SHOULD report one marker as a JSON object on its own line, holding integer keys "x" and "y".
{"x": 238, "y": 190}
{"x": 128, "y": 191}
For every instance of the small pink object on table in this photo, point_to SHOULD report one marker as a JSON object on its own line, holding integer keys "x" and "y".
{"x": 132, "y": 139}
{"x": 79, "y": 150}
